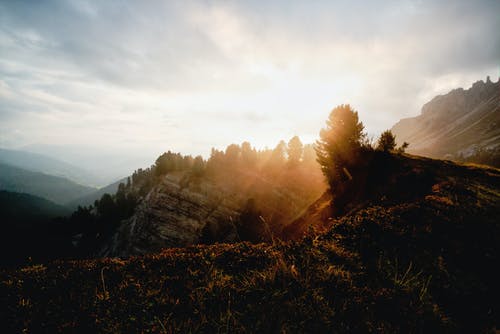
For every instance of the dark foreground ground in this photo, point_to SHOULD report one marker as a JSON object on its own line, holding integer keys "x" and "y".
{"x": 421, "y": 264}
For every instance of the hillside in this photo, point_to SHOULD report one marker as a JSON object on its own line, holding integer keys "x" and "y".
{"x": 25, "y": 207}
{"x": 44, "y": 164}
{"x": 90, "y": 198}
{"x": 181, "y": 210}
{"x": 414, "y": 252}
{"x": 29, "y": 229}
{"x": 53, "y": 188}
{"x": 460, "y": 125}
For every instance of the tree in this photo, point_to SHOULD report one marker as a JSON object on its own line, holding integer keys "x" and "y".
{"x": 106, "y": 208}
{"x": 233, "y": 153}
{"x": 295, "y": 150}
{"x": 198, "y": 167}
{"x": 278, "y": 154}
{"x": 165, "y": 163}
{"x": 248, "y": 155}
{"x": 309, "y": 155}
{"x": 386, "y": 142}
{"x": 403, "y": 147}
{"x": 251, "y": 226}
{"x": 339, "y": 143}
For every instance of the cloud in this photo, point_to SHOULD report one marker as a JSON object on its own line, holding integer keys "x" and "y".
{"x": 190, "y": 75}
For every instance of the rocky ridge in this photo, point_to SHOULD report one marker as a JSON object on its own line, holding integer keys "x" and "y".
{"x": 176, "y": 214}
{"x": 455, "y": 125}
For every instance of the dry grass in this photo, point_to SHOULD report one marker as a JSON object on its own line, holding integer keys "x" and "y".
{"x": 420, "y": 264}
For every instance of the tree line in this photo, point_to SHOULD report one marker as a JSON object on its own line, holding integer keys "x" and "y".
{"x": 274, "y": 185}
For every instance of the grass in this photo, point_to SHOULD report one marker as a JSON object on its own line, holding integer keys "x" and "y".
{"x": 289, "y": 287}
{"x": 421, "y": 263}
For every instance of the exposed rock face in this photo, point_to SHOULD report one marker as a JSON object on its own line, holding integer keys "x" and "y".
{"x": 175, "y": 215}
{"x": 455, "y": 125}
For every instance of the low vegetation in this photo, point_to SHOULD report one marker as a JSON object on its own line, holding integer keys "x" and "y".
{"x": 416, "y": 262}
{"x": 314, "y": 285}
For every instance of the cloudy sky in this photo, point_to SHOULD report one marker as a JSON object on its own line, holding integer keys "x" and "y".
{"x": 142, "y": 77}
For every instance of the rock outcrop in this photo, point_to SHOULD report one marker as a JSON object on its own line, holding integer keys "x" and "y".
{"x": 174, "y": 214}
{"x": 456, "y": 125}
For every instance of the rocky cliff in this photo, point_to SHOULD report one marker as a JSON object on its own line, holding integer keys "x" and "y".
{"x": 457, "y": 125}
{"x": 182, "y": 210}
{"x": 175, "y": 214}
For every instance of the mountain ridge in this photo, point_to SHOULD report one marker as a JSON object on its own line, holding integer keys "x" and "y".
{"x": 57, "y": 189}
{"x": 459, "y": 125}
{"x": 37, "y": 162}
{"x": 89, "y": 199}
{"x": 13, "y": 205}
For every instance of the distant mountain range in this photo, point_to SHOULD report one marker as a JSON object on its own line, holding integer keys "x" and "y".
{"x": 54, "y": 188}
{"x": 462, "y": 125}
{"x": 50, "y": 178}
{"x": 45, "y": 164}
{"x": 105, "y": 163}
{"x": 89, "y": 199}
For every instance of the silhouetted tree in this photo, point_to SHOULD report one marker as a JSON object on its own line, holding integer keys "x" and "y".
{"x": 198, "y": 168}
{"x": 248, "y": 155}
{"x": 386, "y": 141}
{"x": 277, "y": 156}
{"x": 232, "y": 155}
{"x": 251, "y": 227}
{"x": 295, "y": 150}
{"x": 403, "y": 147}
{"x": 339, "y": 143}
{"x": 165, "y": 163}
{"x": 83, "y": 218}
{"x": 215, "y": 162}
{"x": 309, "y": 155}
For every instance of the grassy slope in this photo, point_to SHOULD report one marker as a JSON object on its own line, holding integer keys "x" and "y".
{"x": 418, "y": 262}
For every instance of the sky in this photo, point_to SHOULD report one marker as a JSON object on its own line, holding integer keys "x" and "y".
{"x": 118, "y": 82}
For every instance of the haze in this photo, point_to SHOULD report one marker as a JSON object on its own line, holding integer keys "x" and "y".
{"x": 111, "y": 85}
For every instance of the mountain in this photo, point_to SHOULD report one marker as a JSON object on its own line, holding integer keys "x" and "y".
{"x": 105, "y": 163}
{"x": 179, "y": 212}
{"x": 29, "y": 228}
{"x": 44, "y": 164}
{"x": 173, "y": 215}
{"x": 54, "y": 188}
{"x": 461, "y": 125}
{"x": 89, "y": 199}
{"x": 21, "y": 208}
{"x": 413, "y": 251}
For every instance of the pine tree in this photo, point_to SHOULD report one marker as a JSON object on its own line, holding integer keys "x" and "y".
{"x": 295, "y": 150}
{"x": 386, "y": 142}
{"x": 339, "y": 142}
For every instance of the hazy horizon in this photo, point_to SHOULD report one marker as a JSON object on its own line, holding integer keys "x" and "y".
{"x": 102, "y": 83}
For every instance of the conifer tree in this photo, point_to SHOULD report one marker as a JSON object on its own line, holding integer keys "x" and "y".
{"x": 339, "y": 143}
